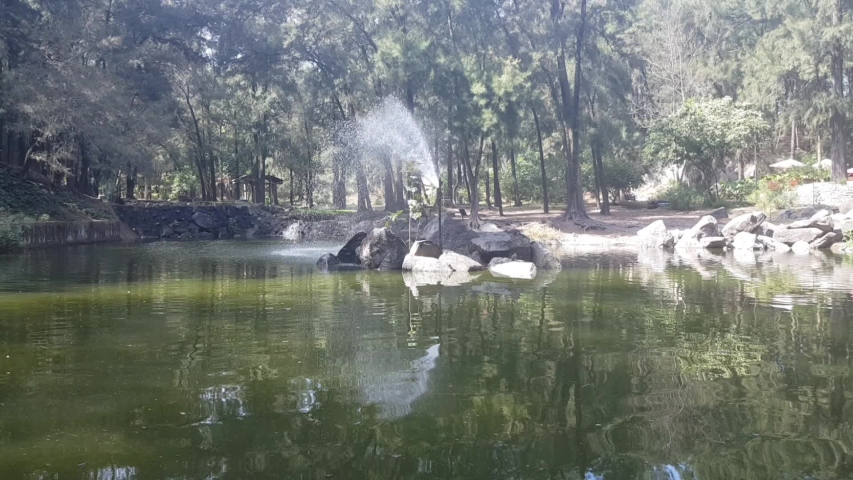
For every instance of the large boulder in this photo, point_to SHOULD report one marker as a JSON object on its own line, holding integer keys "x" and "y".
{"x": 823, "y": 223}
{"x": 204, "y": 221}
{"x": 514, "y": 269}
{"x": 455, "y": 234}
{"x": 719, "y": 213}
{"x": 459, "y": 262}
{"x": 365, "y": 227}
{"x": 826, "y": 241}
{"x": 746, "y": 241}
{"x": 382, "y": 250}
{"x": 425, "y": 248}
{"x": 800, "y": 213}
{"x": 770, "y": 243}
{"x": 791, "y": 236}
{"x": 801, "y": 248}
{"x": 415, "y": 263}
{"x": 846, "y": 206}
{"x": 706, "y": 227}
{"x": 744, "y": 223}
{"x": 505, "y": 244}
{"x": 349, "y": 253}
{"x": 713, "y": 242}
{"x": 328, "y": 263}
{"x": 655, "y": 235}
{"x": 543, "y": 257}
{"x": 845, "y": 227}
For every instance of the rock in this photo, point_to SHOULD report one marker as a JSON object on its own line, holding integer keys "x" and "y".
{"x": 459, "y": 263}
{"x": 746, "y": 241}
{"x": 719, "y": 213}
{"x": 676, "y": 234}
{"x": 295, "y": 232}
{"x": 706, "y": 227}
{"x": 455, "y": 234}
{"x": 224, "y": 233}
{"x": 713, "y": 242}
{"x": 766, "y": 229}
{"x": 823, "y": 223}
{"x": 802, "y": 213}
{"x": 837, "y": 218}
{"x": 414, "y": 263}
{"x": 490, "y": 228}
{"x": 514, "y": 269}
{"x": 655, "y": 235}
{"x": 349, "y": 252}
{"x": 826, "y": 241}
{"x": 850, "y": 215}
{"x": 840, "y": 249}
{"x": 362, "y": 227}
{"x": 825, "y": 213}
{"x": 770, "y": 243}
{"x": 801, "y": 248}
{"x": 382, "y": 250}
{"x": 498, "y": 261}
{"x": 845, "y": 227}
{"x": 791, "y": 236}
{"x": 846, "y": 207}
{"x": 543, "y": 257}
{"x": 744, "y": 223}
{"x": 504, "y": 244}
{"x": 328, "y": 263}
{"x": 203, "y": 220}
{"x": 205, "y": 235}
{"x": 425, "y": 248}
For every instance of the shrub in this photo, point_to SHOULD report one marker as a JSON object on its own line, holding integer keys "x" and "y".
{"x": 737, "y": 191}
{"x": 682, "y": 197}
{"x": 772, "y": 194}
{"x": 11, "y": 231}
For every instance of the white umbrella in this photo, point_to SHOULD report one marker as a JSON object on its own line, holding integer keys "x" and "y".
{"x": 826, "y": 163}
{"x": 850, "y": 170}
{"x": 786, "y": 164}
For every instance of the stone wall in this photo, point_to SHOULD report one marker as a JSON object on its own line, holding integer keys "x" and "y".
{"x": 831, "y": 194}
{"x": 158, "y": 220}
{"x": 45, "y": 234}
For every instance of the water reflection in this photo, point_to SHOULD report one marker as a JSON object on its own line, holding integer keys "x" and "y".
{"x": 237, "y": 361}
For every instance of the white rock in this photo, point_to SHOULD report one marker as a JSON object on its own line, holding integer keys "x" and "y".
{"x": 801, "y": 248}
{"x": 516, "y": 269}
{"x": 745, "y": 241}
{"x": 821, "y": 214}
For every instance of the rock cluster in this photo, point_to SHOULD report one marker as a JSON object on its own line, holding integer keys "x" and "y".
{"x": 506, "y": 254}
{"x": 821, "y": 230}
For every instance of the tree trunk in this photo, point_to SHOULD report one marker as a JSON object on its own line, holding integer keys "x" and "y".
{"x": 131, "y": 182}
{"x": 838, "y": 120}
{"x": 390, "y": 197}
{"x": 601, "y": 181}
{"x": 451, "y": 190}
{"x": 400, "y": 187}
{"x": 364, "y": 204}
{"x": 488, "y": 189}
{"x": 575, "y": 208}
{"x": 515, "y": 193}
{"x": 290, "y": 169}
{"x": 472, "y": 176}
{"x": 497, "y": 173}
{"x": 541, "y": 161}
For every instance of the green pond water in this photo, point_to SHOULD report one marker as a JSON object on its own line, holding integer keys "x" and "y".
{"x": 239, "y": 361}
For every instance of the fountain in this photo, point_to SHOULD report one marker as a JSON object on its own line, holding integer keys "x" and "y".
{"x": 391, "y": 128}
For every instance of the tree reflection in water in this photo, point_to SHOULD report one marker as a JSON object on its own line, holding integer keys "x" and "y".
{"x": 216, "y": 364}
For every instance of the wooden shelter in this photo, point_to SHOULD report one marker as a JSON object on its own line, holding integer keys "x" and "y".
{"x": 272, "y": 184}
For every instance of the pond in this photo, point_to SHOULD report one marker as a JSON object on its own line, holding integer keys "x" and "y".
{"x": 238, "y": 360}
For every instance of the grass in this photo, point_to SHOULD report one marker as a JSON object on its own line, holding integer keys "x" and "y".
{"x": 540, "y": 232}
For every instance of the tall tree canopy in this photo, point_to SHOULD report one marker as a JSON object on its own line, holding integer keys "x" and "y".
{"x": 519, "y": 100}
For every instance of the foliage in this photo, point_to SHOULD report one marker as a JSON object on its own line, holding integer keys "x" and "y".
{"x": 12, "y": 230}
{"x": 738, "y": 190}
{"x": 772, "y": 194}
{"x": 702, "y": 134}
{"x": 683, "y": 197}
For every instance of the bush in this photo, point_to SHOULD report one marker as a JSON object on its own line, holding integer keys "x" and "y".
{"x": 737, "y": 191}
{"x": 11, "y": 231}
{"x": 772, "y": 194}
{"x": 682, "y": 197}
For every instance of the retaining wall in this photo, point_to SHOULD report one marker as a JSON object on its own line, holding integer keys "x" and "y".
{"x": 45, "y": 234}
{"x": 832, "y": 194}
